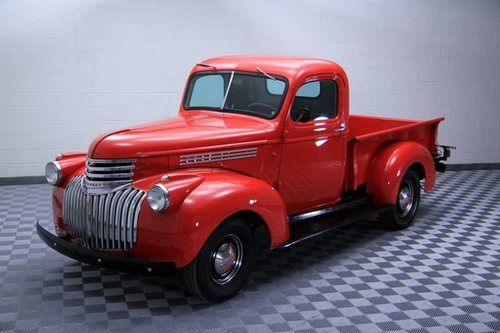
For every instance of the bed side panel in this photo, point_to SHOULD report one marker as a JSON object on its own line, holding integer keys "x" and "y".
{"x": 362, "y": 149}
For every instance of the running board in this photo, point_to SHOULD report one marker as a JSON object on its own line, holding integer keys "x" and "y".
{"x": 341, "y": 206}
{"x": 318, "y": 225}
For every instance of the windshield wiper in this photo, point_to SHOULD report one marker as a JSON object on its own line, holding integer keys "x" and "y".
{"x": 265, "y": 74}
{"x": 205, "y": 65}
{"x": 227, "y": 91}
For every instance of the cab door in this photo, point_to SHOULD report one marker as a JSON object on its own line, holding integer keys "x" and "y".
{"x": 314, "y": 147}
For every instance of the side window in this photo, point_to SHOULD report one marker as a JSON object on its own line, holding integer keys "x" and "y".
{"x": 315, "y": 100}
{"x": 310, "y": 89}
{"x": 207, "y": 91}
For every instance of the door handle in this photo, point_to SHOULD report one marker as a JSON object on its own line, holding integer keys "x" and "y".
{"x": 341, "y": 128}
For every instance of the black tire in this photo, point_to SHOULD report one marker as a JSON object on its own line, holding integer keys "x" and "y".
{"x": 403, "y": 212}
{"x": 224, "y": 263}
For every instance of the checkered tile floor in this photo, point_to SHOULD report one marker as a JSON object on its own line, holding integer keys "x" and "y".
{"x": 441, "y": 275}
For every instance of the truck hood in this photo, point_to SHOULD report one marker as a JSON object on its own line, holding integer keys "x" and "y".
{"x": 193, "y": 129}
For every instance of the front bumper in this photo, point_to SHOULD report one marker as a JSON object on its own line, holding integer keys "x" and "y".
{"x": 93, "y": 257}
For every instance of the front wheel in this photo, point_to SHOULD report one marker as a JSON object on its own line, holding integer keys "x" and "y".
{"x": 402, "y": 214}
{"x": 224, "y": 263}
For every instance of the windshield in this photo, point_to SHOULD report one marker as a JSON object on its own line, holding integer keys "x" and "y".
{"x": 254, "y": 94}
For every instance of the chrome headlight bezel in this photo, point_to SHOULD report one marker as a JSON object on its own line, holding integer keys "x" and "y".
{"x": 53, "y": 173}
{"x": 158, "y": 198}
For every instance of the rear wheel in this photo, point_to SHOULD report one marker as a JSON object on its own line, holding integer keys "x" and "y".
{"x": 402, "y": 214}
{"x": 224, "y": 263}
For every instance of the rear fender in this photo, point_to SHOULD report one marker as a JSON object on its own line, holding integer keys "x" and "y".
{"x": 178, "y": 234}
{"x": 389, "y": 166}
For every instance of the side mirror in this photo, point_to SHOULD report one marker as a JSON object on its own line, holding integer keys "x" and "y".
{"x": 302, "y": 115}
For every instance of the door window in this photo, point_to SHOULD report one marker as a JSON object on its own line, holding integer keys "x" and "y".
{"x": 316, "y": 100}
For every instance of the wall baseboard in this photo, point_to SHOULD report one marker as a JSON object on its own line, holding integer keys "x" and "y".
{"x": 30, "y": 180}
{"x": 472, "y": 166}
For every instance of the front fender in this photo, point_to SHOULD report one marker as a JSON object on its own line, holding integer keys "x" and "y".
{"x": 390, "y": 165}
{"x": 71, "y": 163}
{"x": 179, "y": 233}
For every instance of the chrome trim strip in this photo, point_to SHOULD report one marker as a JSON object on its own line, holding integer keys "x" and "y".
{"x": 253, "y": 149}
{"x": 215, "y": 156}
{"x": 109, "y": 175}
{"x": 110, "y": 161}
{"x": 110, "y": 168}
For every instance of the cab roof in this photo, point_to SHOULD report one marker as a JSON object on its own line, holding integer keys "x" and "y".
{"x": 277, "y": 65}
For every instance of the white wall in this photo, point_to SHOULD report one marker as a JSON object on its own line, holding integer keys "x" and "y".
{"x": 70, "y": 70}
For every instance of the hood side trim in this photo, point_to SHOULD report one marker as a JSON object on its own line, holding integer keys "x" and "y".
{"x": 215, "y": 156}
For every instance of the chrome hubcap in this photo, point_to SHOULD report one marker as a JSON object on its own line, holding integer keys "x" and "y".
{"x": 226, "y": 259}
{"x": 405, "y": 198}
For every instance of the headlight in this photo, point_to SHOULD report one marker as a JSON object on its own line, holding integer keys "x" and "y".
{"x": 158, "y": 198}
{"x": 53, "y": 173}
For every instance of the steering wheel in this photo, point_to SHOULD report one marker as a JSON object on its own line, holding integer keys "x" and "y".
{"x": 257, "y": 106}
{"x": 302, "y": 115}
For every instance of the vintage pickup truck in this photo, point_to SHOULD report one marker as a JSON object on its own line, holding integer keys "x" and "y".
{"x": 263, "y": 152}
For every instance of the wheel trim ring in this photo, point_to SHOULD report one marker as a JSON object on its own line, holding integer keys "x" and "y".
{"x": 406, "y": 198}
{"x": 226, "y": 259}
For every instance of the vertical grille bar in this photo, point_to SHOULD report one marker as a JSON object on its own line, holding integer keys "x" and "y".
{"x": 129, "y": 194}
{"x": 118, "y": 225}
{"x": 136, "y": 216}
{"x": 80, "y": 215}
{"x": 112, "y": 219}
{"x": 69, "y": 203}
{"x": 100, "y": 219}
{"x": 105, "y": 221}
{"x": 93, "y": 221}
{"x": 131, "y": 214}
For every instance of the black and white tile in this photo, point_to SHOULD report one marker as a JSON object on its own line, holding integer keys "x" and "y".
{"x": 440, "y": 275}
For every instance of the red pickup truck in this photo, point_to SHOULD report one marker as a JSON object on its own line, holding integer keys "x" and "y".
{"x": 263, "y": 151}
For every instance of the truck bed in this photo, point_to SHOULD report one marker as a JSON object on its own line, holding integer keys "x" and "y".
{"x": 368, "y": 134}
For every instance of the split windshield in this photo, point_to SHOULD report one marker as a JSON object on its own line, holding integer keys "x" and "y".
{"x": 237, "y": 92}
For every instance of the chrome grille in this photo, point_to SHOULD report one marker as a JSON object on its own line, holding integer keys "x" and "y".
{"x": 108, "y": 175}
{"x": 102, "y": 222}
